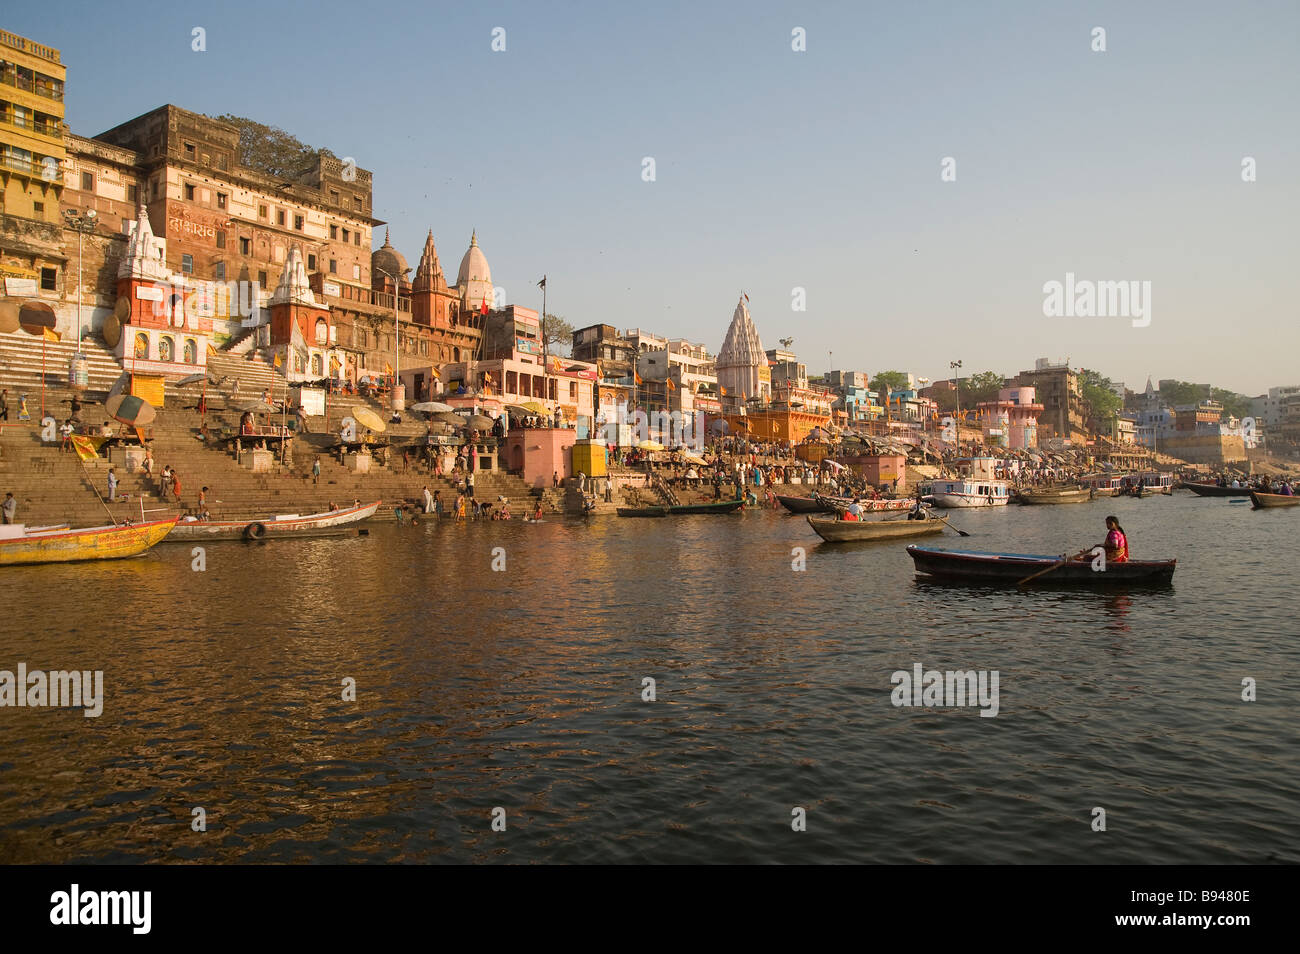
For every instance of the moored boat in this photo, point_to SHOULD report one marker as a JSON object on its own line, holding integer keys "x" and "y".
{"x": 970, "y": 492}
{"x": 839, "y": 531}
{"x": 804, "y": 504}
{"x": 1262, "y": 500}
{"x": 1214, "y": 490}
{"x": 975, "y": 567}
{"x": 643, "y": 511}
{"x": 284, "y": 525}
{"x": 19, "y": 547}
{"x": 720, "y": 506}
{"x": 1059, "y": 495}
{"x": 866, "y": 505}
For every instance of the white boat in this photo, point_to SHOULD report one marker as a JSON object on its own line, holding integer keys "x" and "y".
{"x": 970, "y": 492}
{"x": 283, "y": 525}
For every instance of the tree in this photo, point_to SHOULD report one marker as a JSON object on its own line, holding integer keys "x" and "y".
{"x": 271, "y": 150}
{"x": 557, "y": 334}
{"x": 981, "y": 387}
{"x": 1179, "y": 393}
{"x": 1234, "y": 404}
{"x": 886, "y": 381}
{"x": 1101, "y": 403}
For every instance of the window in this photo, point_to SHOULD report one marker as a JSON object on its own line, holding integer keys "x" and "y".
{"x": 142, "y": 345}
{"x": 356, "y": 238}
{"x": 49, "y": 276}
{"x": 358, "y": 204}
{"x": 334, "y": 231}
{"x": 221, "y": 161}
{"x": 322, "y": 331}
{"x": 573, "y": 390}
{"x": 298, "y": 222}
{"x": 38, "y": 206}
{"x": 221, "y": 239}
{"x": 345, "y": 235}
{"x": 190, "y": 352}
{"x": 279, "y": 217}
{"x": 261, "y": 211}
{"x": 334, "y": 197}
{"x": 187, "y": 264}
{"x": 311, "y": 262}
{"x": 189, "y": 150}
{"x": 221, "y": 200}
{"x": 334, "y": 266}
{"x": 261, "y": 279}
{"x": 166, "y": 348}
{"x": 245, "y": 246}
{"x": 87, "y": 182}
{"x": 356, "y": 273}
{"x": 219, "y": 270}
{"x": 299, "y": 365}
{"x": 132, "y": 194}
{"x": 317, "y": 366}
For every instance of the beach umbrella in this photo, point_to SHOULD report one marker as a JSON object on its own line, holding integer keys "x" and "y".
{"x": 368, "y": 418}
{"x": 448, "y": 417}
{"x": 130, "y": 409}
{"x": 481, "y": 421}
{"x": 431, "y": 407}
{"x": 650, "y": 446}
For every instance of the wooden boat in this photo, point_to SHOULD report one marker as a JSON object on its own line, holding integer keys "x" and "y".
{"x": 1062, "y": 495}
{"x": 720, "y": 506}
{"x": 835, "y": 530}
{"x": 643, "y": 511}
{"x": 1214, "y": 490}
{"x": 285, "y": 525}
{"x": 68, "y": 546}
{"x": 811, "y": 504}
{"x": 841, "y": 504}
{"x": 1262, "y": 500}
{"x": 973, "y": 567}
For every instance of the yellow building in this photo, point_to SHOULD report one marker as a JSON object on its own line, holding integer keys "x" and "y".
{"x": 31, "y": 160}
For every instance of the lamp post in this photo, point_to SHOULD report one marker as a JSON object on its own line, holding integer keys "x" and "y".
{"x": 398, "y": 397}
{"x": 83, "y": 224}
{"x": 956, "y": 380}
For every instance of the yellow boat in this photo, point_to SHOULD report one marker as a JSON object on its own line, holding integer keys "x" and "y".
{"x": 18, "y": 546}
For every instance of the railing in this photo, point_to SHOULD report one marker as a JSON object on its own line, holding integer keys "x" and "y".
{"x": 29, "y": 46}
{"x": 23, "y": 83}
{"x": 42, "y": 129}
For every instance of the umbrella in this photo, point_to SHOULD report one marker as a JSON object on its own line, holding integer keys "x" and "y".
{"x": 528, "y": 407}
{"x": 257, "y": 407}
{"x": 834, "y": 464}
{"x": 196, "y": 378}
{"x": 129, "y": 409}
{"x": 480, "y": 421}
{"x": 448, "y": 417}
{"x": 650, "y": 446}
{"x": 368, "y": 418}
{"x": 431, "y": 407}
{"x": 120, "y": 385}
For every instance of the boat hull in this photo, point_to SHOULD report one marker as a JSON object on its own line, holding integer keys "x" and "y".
{"x": 92, "y": 543}
{"x": 1011, "y": 568}
{"x": 968, "y": 501}
{"x": 804, "y": 504}
{"x": 271, "y": 528}
{"x": 1056, "y": 497}
{"x": 1213, "y": 490}
{"x": 1262, "y": 501}
{"x": 845, "y": 531}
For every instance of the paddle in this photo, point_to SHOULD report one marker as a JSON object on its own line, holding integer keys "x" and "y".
{"x": 959, "y": 532}
{"x": 1057, "y": 565}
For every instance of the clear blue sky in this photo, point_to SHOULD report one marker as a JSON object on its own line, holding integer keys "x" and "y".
{"x": 778, "y": 169}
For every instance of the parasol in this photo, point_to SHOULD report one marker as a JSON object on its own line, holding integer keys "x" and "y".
{"x": 528, "y": 407}
{"x": 130, "y": 409}
{"x": 481, "y": 421}
{"x": 368, "y": 418}
{"x": 650, "y": 446}
{"x": 448, "y": 417}
{"x": 257, "y": 407}
{"x": 431, "y": 407}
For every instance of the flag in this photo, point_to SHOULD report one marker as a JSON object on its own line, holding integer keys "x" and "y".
{"x": 334, "y": 364}
{"x": 388, "y": 368}
{"x": 670, "y": 385}
{"x": 84, "y": 447}
{"x": 746, "y": 296}
{"x": 637, "y": 376}
{"x": 52, "y": 335}
{"x": 724, "y": 391}
{"x": 484, "y": 308}
{"x": 434, "y": 372}
{"x": 279, "y": 360}
{"x": 542, "y": 283}
{"x": 212, "y": 352}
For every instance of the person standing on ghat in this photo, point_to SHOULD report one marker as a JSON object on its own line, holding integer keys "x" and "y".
{"x": 10, "y": 508}
{"x": 112, "y": 485}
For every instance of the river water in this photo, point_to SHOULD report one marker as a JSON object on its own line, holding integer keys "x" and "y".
{"x": 522, "y": 690}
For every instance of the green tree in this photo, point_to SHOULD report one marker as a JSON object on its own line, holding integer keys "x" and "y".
{"x": 1101, "y": 403}
{"x": 981, "y": 387}
{"x": 1237, "y": 405}
{"x": 886, "y": 381}
{"x": 271, "y": 150}
{"x": 1178, "y": 393}
{"x": 557, "y": 334}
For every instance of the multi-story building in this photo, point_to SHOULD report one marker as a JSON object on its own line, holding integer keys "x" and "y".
{"x": 1267, "y": 409}
{"x": 677, "y": 377}
{"x": 1057, "y": 389}
{"x": 1012, "y": 420}
{"x": 787, "y": 370}
{"x": 31, "y": 159}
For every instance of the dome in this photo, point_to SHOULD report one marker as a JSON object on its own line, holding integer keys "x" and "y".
{"x": 474, "y": 266}
{"x": 388, "y": 259}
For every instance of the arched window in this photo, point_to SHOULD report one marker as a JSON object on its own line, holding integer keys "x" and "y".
{"x": 322, "y": 331}
{"x": 299, "y": 365}
{"x": 191, "y": 351}
{"x": 317, "y": 366}
{"x": 166, "y": 349}
{"x": 142, "y": 345}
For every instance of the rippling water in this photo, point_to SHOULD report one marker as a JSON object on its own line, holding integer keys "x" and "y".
{"x": 522, "y": 690}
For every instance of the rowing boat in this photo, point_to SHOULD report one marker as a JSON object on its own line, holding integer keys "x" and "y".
{"x": 804, "y": 504}
{"x": 1063, "y": 495}
{"x": 643, "y": 511}
{"x": 1261, "y": 500}
{"x": 841, "y": 504}
{"x": 1214, "y": 490}
{"x": 973, "y": 567}
{"x": 721, "y": 506}
{"x": 840, "y": 531}
{"x": 284, "y": 525}
{"x": 92, "y": 543}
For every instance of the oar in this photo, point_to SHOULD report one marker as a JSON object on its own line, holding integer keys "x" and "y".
{"x": 1057, "y": 565}
{"x": 959, "y": 532}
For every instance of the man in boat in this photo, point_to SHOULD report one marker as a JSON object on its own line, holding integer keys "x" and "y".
{"x": 854, "y": 512}
{"x": 1115, "y": 545}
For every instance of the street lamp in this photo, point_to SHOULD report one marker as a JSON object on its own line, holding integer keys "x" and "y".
{"x": 956, "y": 380}
{"x": 397, "y": 337}
{"x": 83, "y": 225}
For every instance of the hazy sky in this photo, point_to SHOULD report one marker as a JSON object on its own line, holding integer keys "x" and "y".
{"x": 778, "y": 169}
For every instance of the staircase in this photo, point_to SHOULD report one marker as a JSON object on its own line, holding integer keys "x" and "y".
{"x": 21, "y": 364}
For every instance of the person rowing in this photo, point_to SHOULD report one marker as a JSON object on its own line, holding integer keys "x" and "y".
{"x": 1115, "y": 545}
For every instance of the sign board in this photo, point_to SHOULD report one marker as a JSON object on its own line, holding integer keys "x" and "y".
{"x": 311, "y": 400}
{"x": 149, "y": 387}
{"x": 21, "y": 287}
{"x": 331, "y": 288}
{"x": 149, "y": 293}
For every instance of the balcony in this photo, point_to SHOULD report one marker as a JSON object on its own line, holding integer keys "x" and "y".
{"x": 53, "y": 130}
{"x": 38, "y": 86}
{"x": 28, "y": 46}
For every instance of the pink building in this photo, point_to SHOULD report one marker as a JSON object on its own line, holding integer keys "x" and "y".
{"x": 1012, "y": 420}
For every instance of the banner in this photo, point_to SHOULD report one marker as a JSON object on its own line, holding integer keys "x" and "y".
{"x": 85, "y": 447}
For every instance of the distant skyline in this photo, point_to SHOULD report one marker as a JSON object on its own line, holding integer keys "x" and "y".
{"x": 779, "y": 169}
